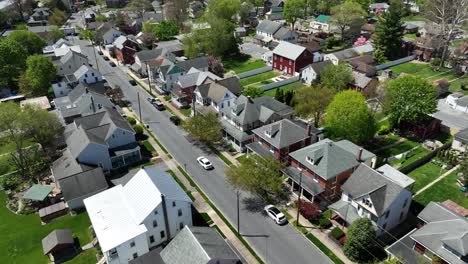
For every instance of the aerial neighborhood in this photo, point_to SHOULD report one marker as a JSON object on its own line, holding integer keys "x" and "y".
{"x": 234, "y": 131}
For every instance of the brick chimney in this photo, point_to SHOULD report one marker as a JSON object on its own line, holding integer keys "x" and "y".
{"x": 359, "y": 154}
{"x": 308, "y": 129}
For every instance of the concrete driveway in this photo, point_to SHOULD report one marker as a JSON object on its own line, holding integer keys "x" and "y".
{"x": 253, "y": 50}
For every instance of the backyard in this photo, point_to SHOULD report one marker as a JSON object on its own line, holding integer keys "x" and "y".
{"x": 288, "y": 87}
{"x": 425, "y": 174}
{"x": 259, "y": 78}
{"x": 24, "y": 244}
{"x": 242, "y": 63}
{"x": 443, "y": 190}
{"x": 425, "y": 71}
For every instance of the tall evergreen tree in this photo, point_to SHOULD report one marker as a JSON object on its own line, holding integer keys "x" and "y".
{"x": 389, "y": 31}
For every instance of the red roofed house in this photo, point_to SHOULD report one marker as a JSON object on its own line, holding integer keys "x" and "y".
{"x": 291, "y": 58}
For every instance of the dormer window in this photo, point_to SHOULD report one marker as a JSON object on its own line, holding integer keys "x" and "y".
{"x": 268, "y": 133}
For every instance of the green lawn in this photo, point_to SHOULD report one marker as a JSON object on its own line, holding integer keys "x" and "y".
{"x": 410, "y": 36}
{"x": 443, "y": 190}
{"x": 242, "y": 158}
{"x": 397, "y": 149}
{"x": 456, "y": 43}
{"x": 258, "y": 78}
{"x": 425, "y": 174}
{"x": 291, "y": 86}
{"x": 9, "y": 147}
{"x": 86, "y": 257}
{"x": 242, "y": 64}
{"x": 21, "y": 237}
{"x": 186, "y": 111}
{"x": 6, "y": 165}
{"x": 410, "y": 157}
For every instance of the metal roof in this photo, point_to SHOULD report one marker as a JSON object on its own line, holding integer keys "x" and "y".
{"x": 38, "y": 192}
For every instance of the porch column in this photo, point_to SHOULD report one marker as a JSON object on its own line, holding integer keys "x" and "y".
{"x": 292, "y": 186}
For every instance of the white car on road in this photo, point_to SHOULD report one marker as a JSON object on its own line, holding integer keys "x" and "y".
{"x": 275, "y": 214}
{"x": 205, "y": 163}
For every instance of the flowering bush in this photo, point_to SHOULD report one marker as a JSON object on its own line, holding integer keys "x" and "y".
{"x": 361, "y": 41}
{"x": 309, "y": 210}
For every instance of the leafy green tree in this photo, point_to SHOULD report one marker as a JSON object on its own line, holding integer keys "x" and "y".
{"x": 360, "y": 241}
{"x": 324, "y": 6}
{"x": 140, "y": 6}
{"x": 55, "y": 34}
{"x": 336, "y": 77}
{"x": 279, "y": 94}
{"x": 293, "y": 9}
{"x": 29, "y": 40}
{"x": 410, "y": 98}
{"x": 260, "y": 176}
{"x": 148, "y": 27}
{"x": 389, "y": 31}
{"x": 88, "y": 35}
{"x": 464, "y": 167}
{"x": 101, "y": 18}
{"x": 347, "y": 13}
{"x": 252, "y": 91}
{"x": 379, "y": 56}
{"x": 58, "y": 17}
{"x": 40, "y": 72}
{"x": 12, "y": 62}
{"x": 244, "y": 12}
{"x": 311, "y": 6}
{"x": 256, "y": 4}
{"x": 206, "y": 128}
{"x": 288, "y": 97}
{"x": 311, "y": 102}
{"x": 224, "y": 9}
{"x": 165, "y": 30}
{"x": 348, "y": 116}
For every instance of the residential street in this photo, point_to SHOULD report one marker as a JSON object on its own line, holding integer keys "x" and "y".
{"x": 275, "y": 244}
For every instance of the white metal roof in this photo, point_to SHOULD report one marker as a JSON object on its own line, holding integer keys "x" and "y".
{"x": 288, "y": 50}
{"x": 395, "y": 175}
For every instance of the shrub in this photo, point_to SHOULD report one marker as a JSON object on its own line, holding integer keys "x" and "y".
{"x": 138, "y": 129}
{"x": 324, "y": 223}
{"x": 342, "y": 240}
{"x": 10, "y": 182}
{"x": 309, "y": 210}
{"x": 337, "y": 233}
{"x": 435, "y": 62}
{"x": 131, "y": 120}
{"x": 383, "y": 130}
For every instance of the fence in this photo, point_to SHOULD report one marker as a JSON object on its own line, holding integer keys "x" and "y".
{"x": 394, "y": 63}
{"x": 280, "y": 83}
{"x": 254, "y": 72}
{"x": 410, "y": 167}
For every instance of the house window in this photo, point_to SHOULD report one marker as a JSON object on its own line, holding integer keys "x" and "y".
{"x": 181, "y": 225}
{"x": 96, "y": 79}
{"x": 385, "y": 226}
{"x": 179, "y": 212}
{"x": 163, "y": 234}
{"x": 92, "y": 74}
{"x": 132, "y": 244}
{"x": 229, "y": 103}
{"x": 151, "y": 239}
{"x": 86, "y": 75}
{"x": 404, "y": 204}
{"x": 135, "y": 255}
{"x": 173, "y": 204}
{"x": 155, "y": 223}
{"x": 155, "y": 212}
{"x": 386, "y": 214}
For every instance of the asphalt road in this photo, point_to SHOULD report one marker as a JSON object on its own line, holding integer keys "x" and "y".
{"x": 275, "y": 244}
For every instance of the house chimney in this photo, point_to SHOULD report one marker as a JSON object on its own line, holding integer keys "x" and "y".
{"x": 308, "y": 129}
{"x": 359, "y": 154}
{"x": 93, "y": 107}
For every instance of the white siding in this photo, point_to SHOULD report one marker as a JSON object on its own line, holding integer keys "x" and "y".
{"x": 125, "y": 251}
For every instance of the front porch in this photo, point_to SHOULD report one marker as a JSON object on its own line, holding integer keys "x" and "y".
{"x": 237, "y": 137}
{"x": 344, "y": 214}
{"x": 309, "y": 189}
{"x": 258, "y": 149}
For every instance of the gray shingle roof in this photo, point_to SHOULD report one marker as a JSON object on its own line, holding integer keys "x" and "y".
{"x": 197, "y": 63}
{"x": 289, "y": 50}
{"x": 282, "y": 32}
{"x": 269, "y": 27}
{"x": 462, "y": 136}
{"x": 56, "y": 238}
{"x": 366, "y": 181}
{"x": 435, "y": 212}
{"x": 197, "y": 245}
{"x": 318, "y": 67}
{"x": 66, "y": 166}
{"x": 282, "y": 133}
{"x": 69, "y": 55}
{"x": 82, "y": 184}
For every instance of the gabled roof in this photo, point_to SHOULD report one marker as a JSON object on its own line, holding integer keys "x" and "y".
{"x": 268, "y": 26}
{"x": 435, "y": 212}
{"x": 323, "y": 19}
{"x": 381, "y": 190}
{"x": 120, "y": 41}
{"x": 318, "y": 67}
{"x": 195, "y": 77}
{"x": 71, "y": 54}
{"x": 360, "y": 79}
{"x": 82, "y": 184}
{"x": 282, "y": 133}
{"x": 462, "y": 136}
{"x": 354, "y": 52}
{"x": 85, "y": 69}
{"x": 282, "y": 32}
{"x": 198, "y": 245}
{"x": 197, "y": 63}
{"x": 117, "y": 214}
{"x": 67, "y": 165}
{"x": 58, "y": 237}
{"x": 289, "y": 50}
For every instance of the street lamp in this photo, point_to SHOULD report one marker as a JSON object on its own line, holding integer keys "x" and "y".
{"x": 299, "y": 199}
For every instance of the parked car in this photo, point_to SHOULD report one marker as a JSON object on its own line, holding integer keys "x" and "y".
{"x": 100, "y": 52}
{"x": 112, "y": 64}
{"x": 205, "y": 163}
{"x": 105, "y": 58}
{"x": 175, "y": 120}
{"x": 159, "y": 105}
{"x": 275, "y": 214}
{"x": 132, "y": 82}
{"x": 151, "y": 99}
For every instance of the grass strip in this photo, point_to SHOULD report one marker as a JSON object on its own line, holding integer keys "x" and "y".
{"x": 324, "y": 249}
{"x": 157, "y": 142}
{"x": 221, "y": 156}
{"x": 221, "y": 216}
{"x": 207, "y": 218}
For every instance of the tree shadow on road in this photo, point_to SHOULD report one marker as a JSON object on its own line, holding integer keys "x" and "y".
{"x": 254, "y": 204}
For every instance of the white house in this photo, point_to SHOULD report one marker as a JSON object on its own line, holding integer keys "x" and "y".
{"x": 129, "y": 219}
{"x": 110, "y": 36}
{"x": 218, "y": 93}
{"x": 378, "y": 8}
{"x": 311, "y": 72}
{"x": 321, "y": 24}
{"x": 70, "y": 62}
{"x": 85, "y": 74}
{"x": 60, "y": 48}
{"x": 347, "y": 54}
{"x": 458, "y": 101}
{"x": 460, "y": 141}
{"x": 168, "y": 72}
{"x": 382, "y": 195}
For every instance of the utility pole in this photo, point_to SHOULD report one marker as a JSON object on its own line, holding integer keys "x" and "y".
{"x": 95, "y": 57}
{"x": 149, "y": 79}
{"x": 299, "y": 200}
{"x": 139, "y": 107}
{"x": 238, "y": 213}
{"x": 193, "y": 103}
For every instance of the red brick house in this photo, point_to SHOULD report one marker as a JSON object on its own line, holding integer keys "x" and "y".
{"x": 282, "y": 137}
{"x": 125, "y": 49}
{"x": 324, "y": 166}
{"x": 291, "y": 58}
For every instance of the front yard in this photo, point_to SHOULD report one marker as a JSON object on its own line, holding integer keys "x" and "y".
{"x": 425, "y": 174}
{"x": 242, "y": 64}
{"x": 21, "y": 235}
{"x": 443, "y": 190}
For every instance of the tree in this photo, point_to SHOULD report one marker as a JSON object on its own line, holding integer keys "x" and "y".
{"x": 58, "y": 17}
{"x": 293, "y": 9}
{"x": 101, "y": 18}
{"x": 464, "y": 168}
{"x": 257, "y": 4}
{"x": 224, "y": 9}
{"x": 40, "y": 72}
{"x": 22, "y": 7}
{"x": 360, "y": 240}
{"x": 288, "y": 97}
{"x": 176, "y": 10}
{"x": 252, "y": 91}
{"x": 361, "y": 41}
{"x": 389, "y": 31}
{"x": 148, "y": 27}
{"x": 410, "y": 98}
{"x": 345, "y": 14}
{"x": 12, "y": 62}
{"x": 449, "y": 15}
{"x": 260, "y": 176}
{"x": 312, "y": 102}
{"x": 29, "y": 40}
{"x": 120, "y": 18}
{"x": 379, "y": 56}
{"x": 311, "y": 6}
{"x": 55, "y": 34}
{"x": 215, "y": 65}
{"x": 279, "y": 95}
{"x": 165, "y": 30}
{"x": 324, "y": 6}
{"x": 140, "y": 7}
{"x": 244, "y": 13}
{"x": 206, "y": 128}
{"x": 348, "y": 116}
{"x": 336, "y": 77}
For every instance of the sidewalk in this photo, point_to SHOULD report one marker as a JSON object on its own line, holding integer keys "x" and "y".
{"x": 200, "y": 204}
{"x": 322, "y": 236}
{"x": 436, "y": 180}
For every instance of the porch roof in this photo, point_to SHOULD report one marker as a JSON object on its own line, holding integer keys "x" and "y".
{"x": 307, "y": 182}
{"x": 345, "y": 210}
{"x": 257, "y": 148}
